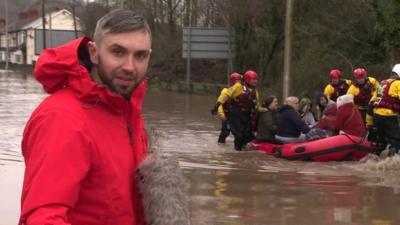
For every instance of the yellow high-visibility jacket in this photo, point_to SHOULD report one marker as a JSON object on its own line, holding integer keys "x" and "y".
{"x": 330, "y": 90}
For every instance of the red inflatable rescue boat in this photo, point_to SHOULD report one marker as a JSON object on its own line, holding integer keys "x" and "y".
{"x": 336, "y": 148}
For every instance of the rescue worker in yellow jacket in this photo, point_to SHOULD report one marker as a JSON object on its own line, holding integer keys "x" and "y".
{"x": 386, "y": 111}
{"x": 245, "y": 100}
{"x": 363, "y": 88}
{"x": 338, "y": 86}
{"x": 223, "y": 110}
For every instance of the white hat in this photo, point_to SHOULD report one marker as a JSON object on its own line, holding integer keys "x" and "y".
{"x": 396, "y": 69}
{"x": 344, "y": 99}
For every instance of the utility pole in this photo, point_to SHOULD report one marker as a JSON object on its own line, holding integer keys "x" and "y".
{"x": 7, "y": 44}
{"x": 44, "y": 25}
{"x": 50, "y": 31}
{"x": 287, "y": 50}
{"x": 74, "y": 17}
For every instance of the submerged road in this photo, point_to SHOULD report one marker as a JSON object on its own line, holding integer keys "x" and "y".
{"x": 225, "y": 186}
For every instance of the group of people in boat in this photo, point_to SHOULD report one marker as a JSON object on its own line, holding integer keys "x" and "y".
{"x": 360, "y": 107}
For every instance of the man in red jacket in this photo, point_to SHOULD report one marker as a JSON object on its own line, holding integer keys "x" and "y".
{"x": 84, "y": 142}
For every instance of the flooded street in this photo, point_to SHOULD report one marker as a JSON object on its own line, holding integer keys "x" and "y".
{"x": 226, "y": 187}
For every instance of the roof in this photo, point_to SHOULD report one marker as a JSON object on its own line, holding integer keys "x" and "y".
{"x": 37, "y": 23}
{"x": 21, "y": 13}
{"x": 15, "y": 8}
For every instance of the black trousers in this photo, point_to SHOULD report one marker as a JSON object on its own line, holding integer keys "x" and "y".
{"x": 363, "y": 113}
{"x": 225, "y": 130}
{"x": 388, "y": 131}
{"x": 240, "y": 122}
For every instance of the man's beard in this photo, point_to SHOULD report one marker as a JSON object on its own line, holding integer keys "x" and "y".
{"x": 107, "y": 80}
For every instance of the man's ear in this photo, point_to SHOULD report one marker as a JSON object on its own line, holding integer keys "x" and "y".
{"x": 93, "y": 52}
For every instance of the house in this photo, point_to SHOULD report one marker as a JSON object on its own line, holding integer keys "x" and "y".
{"x": 25, "y": 41}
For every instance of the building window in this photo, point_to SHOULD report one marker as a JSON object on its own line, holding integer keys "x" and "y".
{"x": 18, "y": 58}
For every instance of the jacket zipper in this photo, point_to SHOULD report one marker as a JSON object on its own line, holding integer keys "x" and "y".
{"x": 130, "y": 131}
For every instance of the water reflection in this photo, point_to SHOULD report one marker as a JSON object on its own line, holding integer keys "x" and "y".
{"x": 19, "y": 95}
{"x": 226, "y": 187}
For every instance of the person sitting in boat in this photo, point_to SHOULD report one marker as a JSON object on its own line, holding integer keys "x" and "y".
{"x": 291, "y": 127}
{"x": 337, "y": 86}
{"x": 267, "y": 124}
{"x": 363, "y": 88}
{"x": 245, "y": 100}
{"x": 386, "y": 111}
{"x": 322, "y": 102}
{"x": 223, "y": 110}
{"x": 306, "y": 112}
{"x": 325, "y": 127}
{"x": 348, "y": 118}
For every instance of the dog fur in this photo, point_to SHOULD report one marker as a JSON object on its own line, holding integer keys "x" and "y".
{"x": 164, "y": 191}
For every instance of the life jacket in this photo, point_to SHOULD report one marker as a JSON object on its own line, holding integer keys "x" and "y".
{"x": 363, "y": 98}
{"x": 246, "y": 101}
{"x": 384, "y": 100}
{"x": 339, "y": 89}
{"x": 227, "y": 105}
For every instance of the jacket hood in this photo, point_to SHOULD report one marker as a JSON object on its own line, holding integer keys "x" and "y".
{"x": 56, "y": 66}
{"x": 69, "y": 66}
{"x": 344, "y": 99}
{"x": 396, "y": 69}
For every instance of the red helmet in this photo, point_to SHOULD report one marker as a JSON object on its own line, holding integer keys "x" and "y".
{"x": 249, "y": 76}
{"x": 235, "y": 77}
{"x": 335, "y": 74}
{"x": 360, "y": 73}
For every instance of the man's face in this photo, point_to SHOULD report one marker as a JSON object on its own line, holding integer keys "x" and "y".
{"x": 121, "y": 60}
{"x": 295, "y": 104}
{"x": 253, "y": 83}
{"x": 335, "y": 81}
{"x": 360, "y": 80}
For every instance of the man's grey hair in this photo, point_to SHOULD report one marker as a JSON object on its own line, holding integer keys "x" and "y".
{"x": 119, "y": 21}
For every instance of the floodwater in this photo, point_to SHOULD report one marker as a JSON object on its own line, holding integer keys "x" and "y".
{"x": 225, "y": 186}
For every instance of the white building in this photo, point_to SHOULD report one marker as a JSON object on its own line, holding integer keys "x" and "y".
{"x": 26, "y": 42}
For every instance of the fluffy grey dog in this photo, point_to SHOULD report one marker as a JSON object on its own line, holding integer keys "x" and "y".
{"x": 164, "y": 191}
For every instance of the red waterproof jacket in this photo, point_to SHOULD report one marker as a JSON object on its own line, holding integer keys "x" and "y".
{"x": 81, "y": 147}
{"x": 349, "y": 120}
